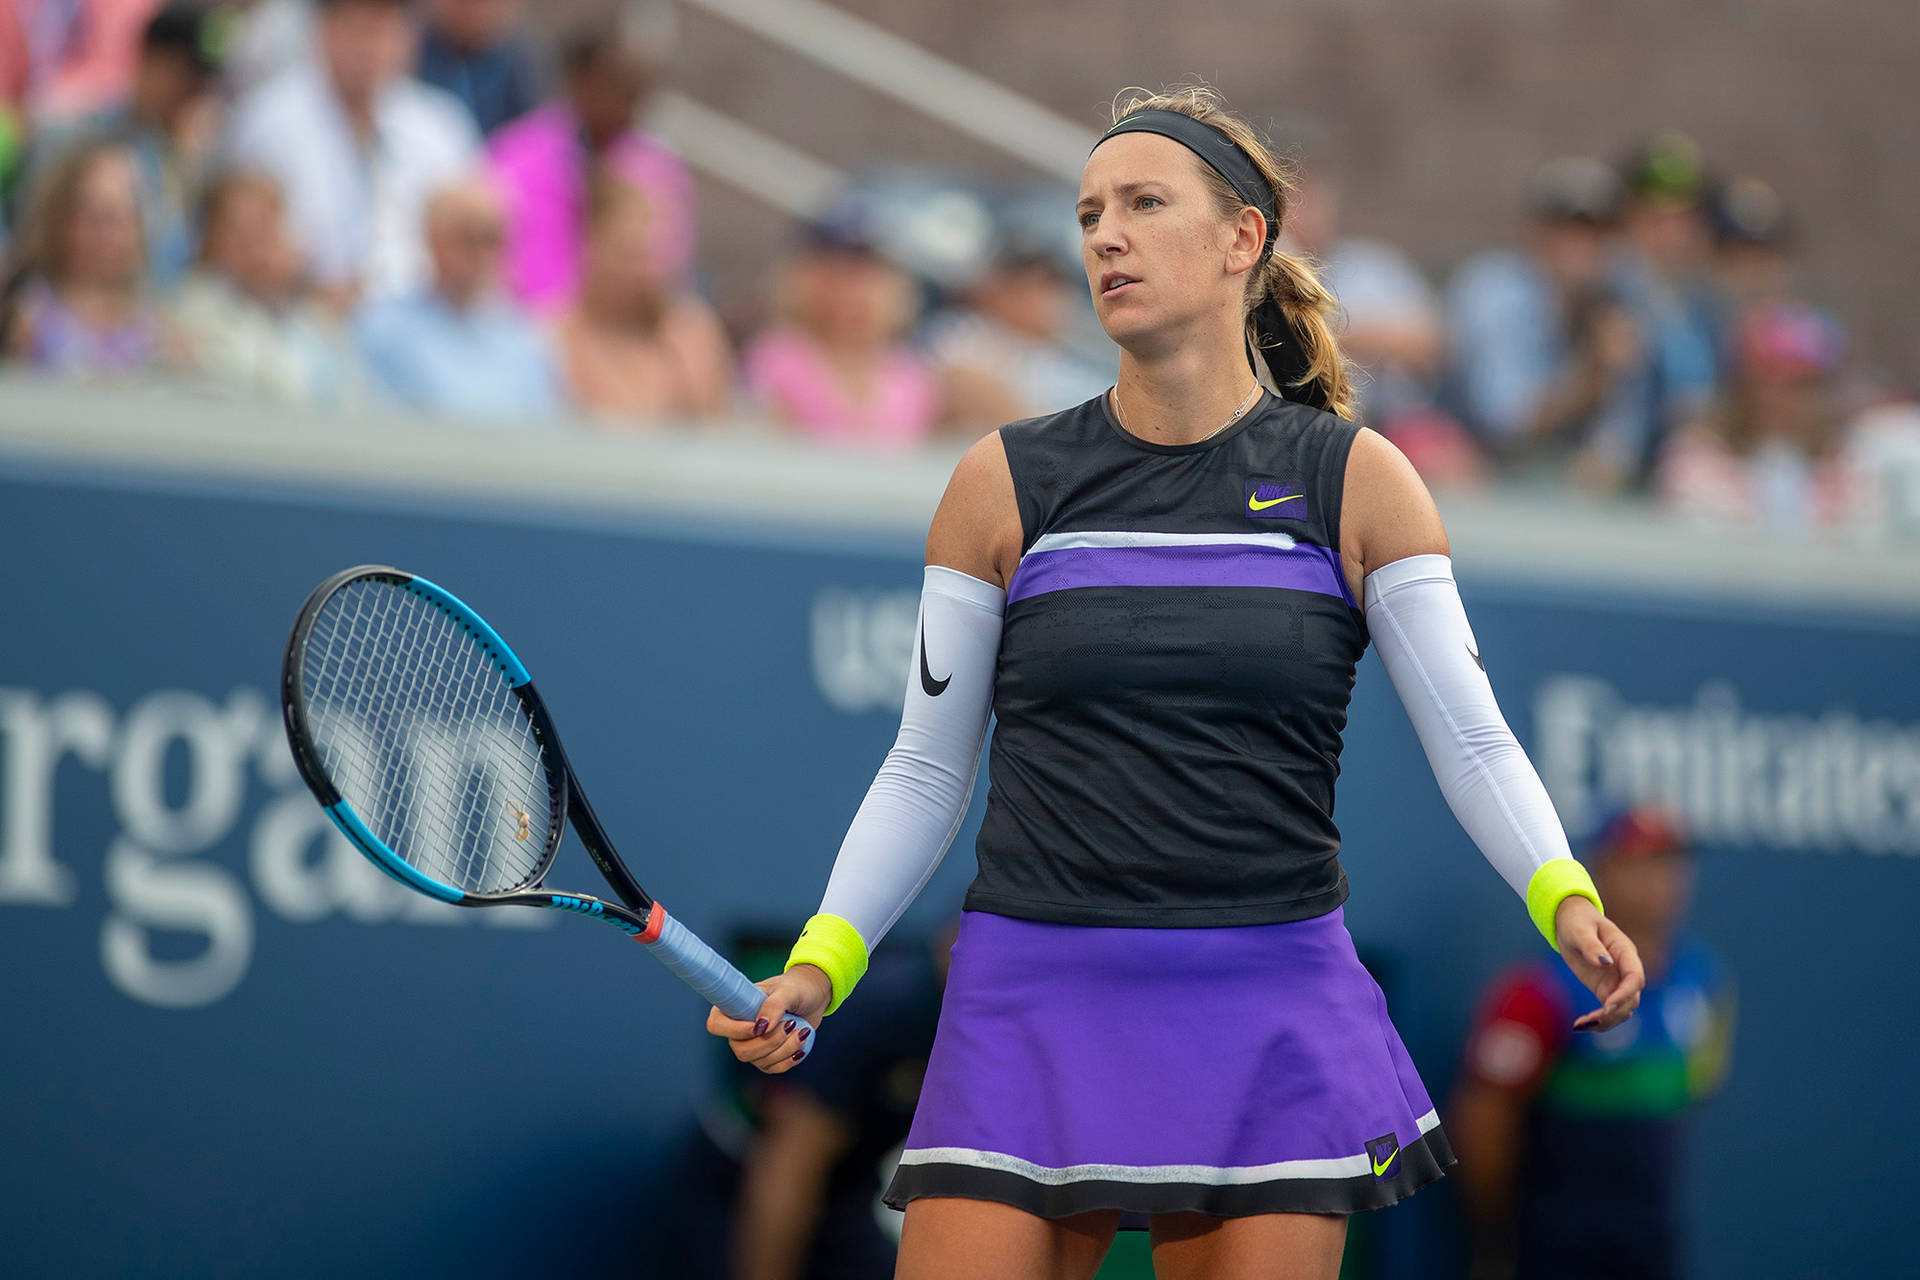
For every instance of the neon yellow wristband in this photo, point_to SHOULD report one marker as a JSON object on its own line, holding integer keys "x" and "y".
{"x": 837, "y": 949}
{"x": 1553, "y": 883}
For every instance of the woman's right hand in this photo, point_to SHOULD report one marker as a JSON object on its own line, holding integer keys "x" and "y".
{"x": 776, "y": 1040}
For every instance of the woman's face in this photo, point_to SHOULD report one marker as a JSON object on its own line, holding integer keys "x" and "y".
{"x": 104, "y": 242}
{"x": 622, "y": 254}
{"x": 248, "y": 242}
{"x": 1159, "y": 257}
{"x": 852, "y": 299}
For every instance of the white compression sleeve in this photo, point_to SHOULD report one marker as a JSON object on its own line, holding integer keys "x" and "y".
{"x": 916, "y": 803}
{"x": 1420, "y": 628}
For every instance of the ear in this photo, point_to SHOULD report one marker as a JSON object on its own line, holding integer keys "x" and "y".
{"x": 1249, "y": 237}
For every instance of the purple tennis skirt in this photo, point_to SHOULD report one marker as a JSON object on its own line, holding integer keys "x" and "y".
{"x": 1229, "y": 1071}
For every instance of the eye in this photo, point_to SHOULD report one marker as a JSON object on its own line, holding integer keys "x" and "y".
{"x": 1148, "y": 202}
{"x": 1087, "y": 220}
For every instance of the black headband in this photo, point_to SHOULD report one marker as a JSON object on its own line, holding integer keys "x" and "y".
{"x": 1286, "y": 361}
{"x": 1220, "y": 152}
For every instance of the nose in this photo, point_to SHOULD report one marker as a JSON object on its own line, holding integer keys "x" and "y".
{"x": 1105, "y": 239}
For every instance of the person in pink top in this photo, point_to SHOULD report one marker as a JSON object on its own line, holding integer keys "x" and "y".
{"x": 834, "y": 366}
{"x": 545, "y": 163}
{"x": 1772, "y": 453}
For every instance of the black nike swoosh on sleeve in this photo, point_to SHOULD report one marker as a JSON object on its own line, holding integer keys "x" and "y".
{"x": 933, "y": 687}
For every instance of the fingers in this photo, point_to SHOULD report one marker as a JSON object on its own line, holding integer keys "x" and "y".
{"x": 774, "y": 1041}
{"x": 1619, "y": 982}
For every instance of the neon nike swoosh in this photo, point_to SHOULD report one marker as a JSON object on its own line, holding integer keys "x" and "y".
{"x": 1380, "y": 1166}
{"x": 1254, "y": 504}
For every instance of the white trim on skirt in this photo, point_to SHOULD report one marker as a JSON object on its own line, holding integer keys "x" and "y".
{"x": 1200, "y": 1174}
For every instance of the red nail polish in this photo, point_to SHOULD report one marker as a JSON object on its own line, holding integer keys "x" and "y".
{"x": 787, "y": 1026}
{"x": 798, "y": 1054}
{"x": 804, "y": 1033}
{"x": 760, "y": 1027}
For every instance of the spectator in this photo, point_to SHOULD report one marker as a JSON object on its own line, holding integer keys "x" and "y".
{"x": 1772, "y": 453}
{"x": 357, "y": 147}
{"x": 1545, "y": 359}
{"x": 1661, "y": 276}
{"x": 1392, "y": 322}
{"x": 474, "y": 50}
{"x": 168, "y": 123}
{"x": 636, "y": 348}
{"x": 1550, "y": 1123}
{"x": 1001, "y": 353}
{"x": 546, "y": 161}
{"x": 457, "y": 346}
{"x": 63, "y": 59}
{"x": 1754, "y": 243}
{"x": 264, "y": 38}
{"x": 77, "y": 303}
{"x": 834, "y": 366}
{"x": 240, "y": 313}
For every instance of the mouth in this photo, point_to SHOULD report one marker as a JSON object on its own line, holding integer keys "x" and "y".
{"x": 1113, "y": 283}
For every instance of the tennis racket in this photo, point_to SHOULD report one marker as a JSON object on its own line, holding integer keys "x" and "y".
{"x": 423, "y": 738}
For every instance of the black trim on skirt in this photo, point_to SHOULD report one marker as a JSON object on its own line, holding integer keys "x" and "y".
{"x": 1421, "y": 1162}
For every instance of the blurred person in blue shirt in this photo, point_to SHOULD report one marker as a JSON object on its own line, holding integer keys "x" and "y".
{"x": 1662, "y": 274}
{"x": 167, "y": 122}
{"x": 1547, "y": 362}
{"x": 1571, "y": 1143}
{"x": 457, "y": 346}
{"x": 476, "y": 51}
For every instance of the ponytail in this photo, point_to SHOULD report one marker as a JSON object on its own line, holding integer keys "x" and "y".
{"x": 1291, "y": 326}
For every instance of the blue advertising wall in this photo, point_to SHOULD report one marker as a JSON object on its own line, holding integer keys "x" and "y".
{"x": 229, "y": 1048}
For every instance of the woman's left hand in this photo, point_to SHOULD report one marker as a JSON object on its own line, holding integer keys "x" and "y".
{"x": 1604, "y": 958}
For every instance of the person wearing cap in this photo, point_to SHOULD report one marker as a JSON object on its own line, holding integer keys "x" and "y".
{"x": 167, "y": 122}
{"x": 1771, "y": 452}
{"x": 1661, "y": 273}
{"x": 835, "y": 366}
{"x": 1544, "y": 360}
{"x": 1570, "y": 1145}
{"x": 1002, "y": 352}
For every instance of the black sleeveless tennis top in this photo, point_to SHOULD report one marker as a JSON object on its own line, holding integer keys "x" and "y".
{"x": 1178, "y": 653}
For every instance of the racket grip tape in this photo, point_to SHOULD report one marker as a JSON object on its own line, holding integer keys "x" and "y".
{"x": 706, "y": 970}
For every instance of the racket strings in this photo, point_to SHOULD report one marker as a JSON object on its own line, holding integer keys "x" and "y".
{"x": 420, "y": 734}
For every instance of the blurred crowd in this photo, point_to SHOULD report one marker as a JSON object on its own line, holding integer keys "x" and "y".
{"x": 422, "y": 203}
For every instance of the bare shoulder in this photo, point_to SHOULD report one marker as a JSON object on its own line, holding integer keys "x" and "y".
{"x": 977, "y": 526}
{"x": 1386, "y": 513}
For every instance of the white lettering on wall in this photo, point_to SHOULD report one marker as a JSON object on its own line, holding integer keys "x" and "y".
{"x": 1830, "y": 783}
{"x": 179, "y": 771}
{"x": 863, "y": 647}
{"x": 34, "y": 738}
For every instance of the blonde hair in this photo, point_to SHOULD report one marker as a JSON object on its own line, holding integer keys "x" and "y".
{"x": 1280, "y": 276}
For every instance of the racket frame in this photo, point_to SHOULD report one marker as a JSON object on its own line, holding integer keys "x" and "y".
{"x": 636, "y": 914}
{"x": 632, "y": 914}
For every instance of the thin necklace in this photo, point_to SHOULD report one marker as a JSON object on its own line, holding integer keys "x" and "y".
{"x": 1244, "y": 404}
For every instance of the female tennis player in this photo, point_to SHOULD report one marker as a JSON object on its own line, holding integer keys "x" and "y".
{"x": 1155, "y": 1015}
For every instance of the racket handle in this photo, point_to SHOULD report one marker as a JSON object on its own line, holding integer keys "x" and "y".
{"x": 708, "y": 972}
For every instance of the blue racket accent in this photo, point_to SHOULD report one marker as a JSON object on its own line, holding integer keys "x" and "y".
{"x": 706, "y": 971}
{"x": 456, "y": 608}
{"x": 591, "y": 907}
{"x": 355, "y": 830}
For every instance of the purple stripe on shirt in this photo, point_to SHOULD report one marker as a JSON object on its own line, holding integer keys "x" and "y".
{"x": 1302, "y": 567}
